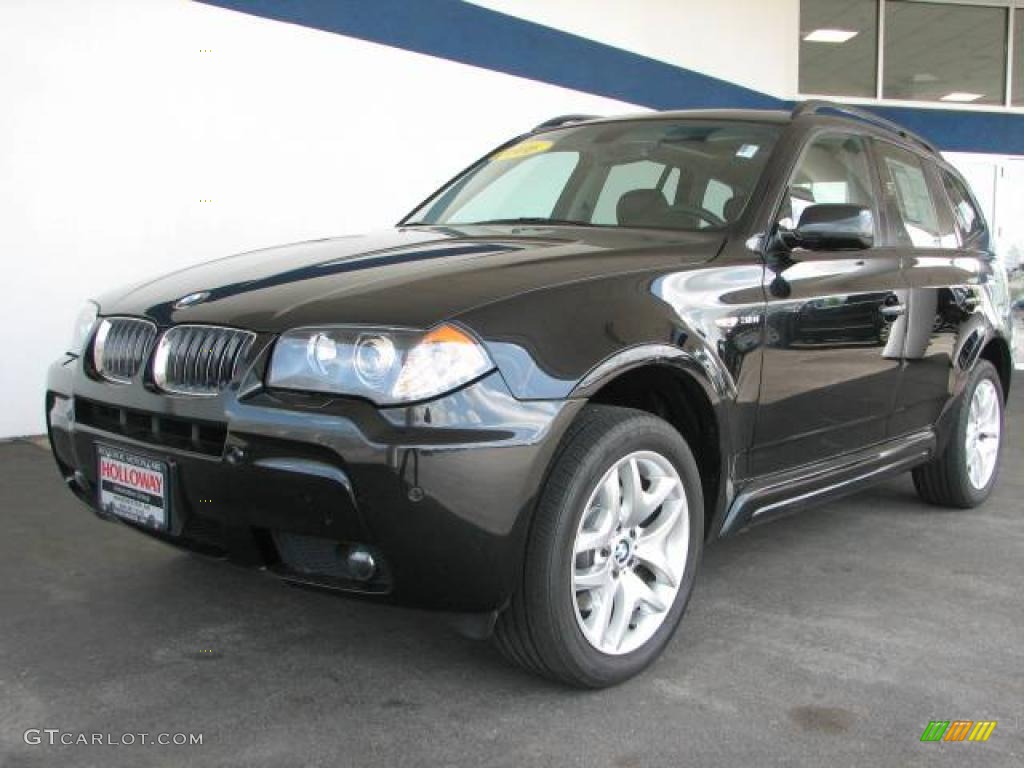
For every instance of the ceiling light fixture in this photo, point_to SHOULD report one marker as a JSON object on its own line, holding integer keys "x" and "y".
{"x": 831, "y": 35}
{"x": 961, "y": 97}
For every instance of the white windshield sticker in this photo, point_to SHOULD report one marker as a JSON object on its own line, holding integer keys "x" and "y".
{"x": 747, "y": 151}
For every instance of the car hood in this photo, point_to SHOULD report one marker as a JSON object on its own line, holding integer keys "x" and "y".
{"x": 409, "y": 277}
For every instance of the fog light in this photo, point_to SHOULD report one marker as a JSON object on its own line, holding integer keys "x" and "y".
{"x": 361, "y": 565}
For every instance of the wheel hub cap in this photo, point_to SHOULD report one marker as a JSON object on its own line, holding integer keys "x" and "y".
{"x": 630, "y": 552}
{"x": 622, "y": 552}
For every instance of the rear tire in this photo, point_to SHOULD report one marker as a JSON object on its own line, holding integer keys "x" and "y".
{"x": 612, "y": 552}
{"x": 963, "y": 475}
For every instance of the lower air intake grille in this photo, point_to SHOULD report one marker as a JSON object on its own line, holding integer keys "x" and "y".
{"x": 200, "y": 437}
{"x": 198, "y": 359}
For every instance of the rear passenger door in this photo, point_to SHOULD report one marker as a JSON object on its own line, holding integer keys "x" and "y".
{"x": 935, "y": 223}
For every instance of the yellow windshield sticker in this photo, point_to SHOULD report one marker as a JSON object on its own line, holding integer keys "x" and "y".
{"x": 524, "y": 149}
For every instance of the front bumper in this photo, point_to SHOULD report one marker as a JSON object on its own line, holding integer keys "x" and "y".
{"x": 440, "y": 493}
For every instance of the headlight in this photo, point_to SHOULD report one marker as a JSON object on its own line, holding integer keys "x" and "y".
{"x": 386, "y": 366}
{"x": 84, "y": 324}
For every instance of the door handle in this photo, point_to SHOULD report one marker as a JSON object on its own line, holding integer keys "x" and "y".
{"x": 892, "y": 311}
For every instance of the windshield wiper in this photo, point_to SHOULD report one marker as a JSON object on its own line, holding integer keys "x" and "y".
{"x": 528, "y": 220}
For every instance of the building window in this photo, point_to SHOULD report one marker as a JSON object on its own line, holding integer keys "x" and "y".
{"x": 1018, "y": 58}
{"x": 950, "y": 51}
{"x": 839, "y": 47}
{"x": 944, "y": 52}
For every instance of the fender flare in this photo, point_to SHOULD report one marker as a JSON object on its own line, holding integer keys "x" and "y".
{"x": 717, "y": 385}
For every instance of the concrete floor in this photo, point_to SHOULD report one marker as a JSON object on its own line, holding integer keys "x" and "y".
{"x": 828, "y": 638}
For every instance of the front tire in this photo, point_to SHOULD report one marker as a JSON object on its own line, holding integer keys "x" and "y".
{"x": 612, "y": 553}
{"x": 964, "y": 474}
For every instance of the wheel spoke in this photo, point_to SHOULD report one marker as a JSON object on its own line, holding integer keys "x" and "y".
{"x": 651, "y": 555}
{"x": 660, "y": 490}
{"x": 610, "y": 495}
{"x": 596, "y": 577}
{"x": 632, "y": 490}
{"x": 990, "y": 450}
{"x": 622, "y": 614}
{"x": 652, "y": 546}
{"x": 643, "y": 503}
{"x": 643, "y": 593}
{"x": 630, "y": 593}
{"x": 603, "y": 516}
{"x": 992, "y": 413}
{"x": 601, "y": 615}
{"x": 588, "y": 541}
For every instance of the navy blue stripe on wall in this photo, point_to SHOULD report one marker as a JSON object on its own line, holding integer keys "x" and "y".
{"x": 466, "y": 33}
{"x": 962, "y": 131}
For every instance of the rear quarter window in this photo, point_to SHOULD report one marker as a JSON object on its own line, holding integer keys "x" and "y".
{"x": 908, "y": 198}
{"x": 970, "y": 223}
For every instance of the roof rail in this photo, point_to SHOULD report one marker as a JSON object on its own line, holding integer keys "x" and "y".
{"x": 555, "y": 122}
{"x": 814, "y": 106}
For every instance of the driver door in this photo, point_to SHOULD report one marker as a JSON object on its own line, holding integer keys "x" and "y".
{"x": 831, "y": 359}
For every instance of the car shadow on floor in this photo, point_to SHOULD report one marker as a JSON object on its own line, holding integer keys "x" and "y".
{"x": 243, "y": 620}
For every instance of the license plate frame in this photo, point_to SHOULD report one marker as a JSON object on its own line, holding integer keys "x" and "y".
{"x": 133, "y": 487}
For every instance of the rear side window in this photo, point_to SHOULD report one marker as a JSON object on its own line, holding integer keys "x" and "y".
{"x": 969, "y": 222}
{"x": 908, "y": 198}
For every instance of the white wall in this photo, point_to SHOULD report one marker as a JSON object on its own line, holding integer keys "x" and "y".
{"x": 749, "y": 42}
{"x": 118, "y": 118}
{"x": 998, "y": 184}
{"x": 114, "y": 126}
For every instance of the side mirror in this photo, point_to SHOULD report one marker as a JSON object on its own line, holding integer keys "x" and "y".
{"x": 832, "y": 227}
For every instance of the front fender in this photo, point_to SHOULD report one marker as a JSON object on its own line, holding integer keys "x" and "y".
{"x": 709, "y": 318}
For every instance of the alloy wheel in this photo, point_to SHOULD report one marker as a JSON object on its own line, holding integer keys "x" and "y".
{"x": 982, "y": 437}
{"x": 630, "y": 551}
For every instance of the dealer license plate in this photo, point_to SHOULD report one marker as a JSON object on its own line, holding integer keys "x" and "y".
{"x": 133, "y": 487}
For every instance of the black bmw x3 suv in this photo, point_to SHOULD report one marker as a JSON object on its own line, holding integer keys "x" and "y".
{"x": 534, "y": 401}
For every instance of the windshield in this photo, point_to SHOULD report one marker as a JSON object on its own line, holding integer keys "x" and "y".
{"x": 665, "y": 174}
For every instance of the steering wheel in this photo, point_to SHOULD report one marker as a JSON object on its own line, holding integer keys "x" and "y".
{"x": 700, "y": 213}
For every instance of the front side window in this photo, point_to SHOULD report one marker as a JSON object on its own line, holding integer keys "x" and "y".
{"x": 666, "y": 174}
{"x": 833, "y": 169}
{"x": 908, "y": 198}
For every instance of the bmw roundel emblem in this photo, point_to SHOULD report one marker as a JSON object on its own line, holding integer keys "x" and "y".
{"x": 192, "y": 299}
